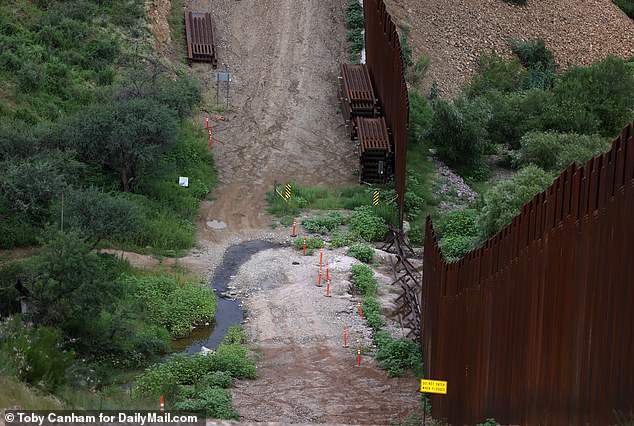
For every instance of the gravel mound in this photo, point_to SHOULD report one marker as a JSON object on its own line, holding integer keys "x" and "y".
{"x": 454, "y": 32}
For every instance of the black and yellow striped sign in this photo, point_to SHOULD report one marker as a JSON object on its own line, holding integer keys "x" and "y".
{"x": 375, "y": 198}
{"x": 287, "y": 191}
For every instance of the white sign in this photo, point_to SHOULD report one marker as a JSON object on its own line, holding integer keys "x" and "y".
{"x": 183, "y": 181}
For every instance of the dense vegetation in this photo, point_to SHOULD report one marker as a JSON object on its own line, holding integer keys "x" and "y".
{"x": 94, "y": 133}
{"x": 520, "y": 115}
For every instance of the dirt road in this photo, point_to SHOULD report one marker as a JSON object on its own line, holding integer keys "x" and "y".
{"x": 283, "y": 125}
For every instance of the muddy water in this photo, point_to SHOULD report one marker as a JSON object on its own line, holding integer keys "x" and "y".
{"x": 228, "y": 310}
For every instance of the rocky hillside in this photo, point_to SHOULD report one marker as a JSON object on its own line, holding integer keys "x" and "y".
{"x": 454, "y": 32}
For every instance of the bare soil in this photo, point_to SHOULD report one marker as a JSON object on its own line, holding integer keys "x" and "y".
{"x": 282, "y": 125}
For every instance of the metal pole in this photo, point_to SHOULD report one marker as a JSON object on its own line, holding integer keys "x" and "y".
{"x": 228, "y": 79}
{"x": 62, "y": 219}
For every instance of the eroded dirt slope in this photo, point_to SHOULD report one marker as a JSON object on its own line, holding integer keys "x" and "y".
{"x": 284, "y": 125}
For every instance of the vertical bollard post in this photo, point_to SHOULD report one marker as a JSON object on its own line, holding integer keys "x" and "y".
{"x": 304, "y": 246}
{"x": 360, "y": 310}
{"x": 321, "y": 256}
{"x": 162, "y": 403}
{"x": 319, "y": 277}
{"x": 327, "y": 274}
{"x": 358, "y": 356}
{"x": 293, "y": 234}
{"x": 328, "y": 288}
{"x": 345, "y": 337}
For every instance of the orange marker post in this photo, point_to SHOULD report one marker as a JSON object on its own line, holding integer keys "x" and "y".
{"x": 345, "y": 337}
{"x": 293, "y": 234}
{"x": 360, "y": 310}
{"x": 211, "y": 142}
{"x": 327, "y": 274}
{"x": 207, "y": 121}
{"x": 304, "y": 246}
{"x": 328, "y": 288}
{"x": 162, "y": 403}
{"x": 358, "y": 356}
{"x": 319, "y": 278}
{"x": 321, "y": 256}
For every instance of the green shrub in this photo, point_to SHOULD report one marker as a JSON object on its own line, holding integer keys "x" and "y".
{"x": 354, "y": 21}
{"x": 341, "y": 240}
{"x": 179, "y": 369}
{"x": 454, "y": 247}
{"x": 505, "y": 200}
{"x": 372, "y": 312}
{"x": 324, "y": 224}
{"x": 312, "y": 243}
{"x": 458, "y": 229}
{"x": 458, "y": 130}
{"x": 235, "y": 334}
{"x": 174, "y": 306}
{"x": 555, "y": 151}
{"x": 397, "y": 355}
{"x": 533, "y": 54}
{"x": 367, "y": 224}
{"x": 604, "y": 91}
{"x": 363, "y": 279}
{"x": 233, "y": 359}
{"x": 221, "y": 379}
{"x": 420, "y": 116}
{"x": 513, "y": 114}
{"x": 362, "y": 252}
{"x": 460, "y": 222}
{"x": 495, "y": 73}
{"x": 36, "y": 353}
{"x": 212, "y": 402}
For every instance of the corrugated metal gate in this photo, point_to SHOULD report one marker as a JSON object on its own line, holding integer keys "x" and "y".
{"x": 537, "y": 325}
{"x": 385, "y": 64}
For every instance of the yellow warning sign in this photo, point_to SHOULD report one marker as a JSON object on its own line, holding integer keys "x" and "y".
{"x": 433, "y": 386}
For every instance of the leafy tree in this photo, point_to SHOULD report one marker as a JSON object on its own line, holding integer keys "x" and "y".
{"x": 496, "y": 73}
{"x": 458, "y": 130}
{"x": 555, "y": 151}
{"x": 68, "y": 282}
{"x": 97, "y": 215}
{"x": 124, "y": 137}
{"x": 604, "y": 91}
{"x": 32, "y": 184}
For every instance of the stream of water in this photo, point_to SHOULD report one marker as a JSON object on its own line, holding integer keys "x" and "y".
{"x": 228, "y": 310}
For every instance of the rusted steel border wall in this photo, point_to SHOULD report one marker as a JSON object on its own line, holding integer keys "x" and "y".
{"x": 536, "y": 327}
{"x": 384, "y": 61}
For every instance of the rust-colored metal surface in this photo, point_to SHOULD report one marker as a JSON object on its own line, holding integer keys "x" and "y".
{"x": 356, "y": 95}
{"x": 375, "y": 154}
{"x": 385, "y": 64}
{"x": 536, "y": 327}
{"x": 200, "y": 37}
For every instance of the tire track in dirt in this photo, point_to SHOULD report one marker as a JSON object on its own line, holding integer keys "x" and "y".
{"x": 283, "y": 56}
{"x": 284, "y": 125}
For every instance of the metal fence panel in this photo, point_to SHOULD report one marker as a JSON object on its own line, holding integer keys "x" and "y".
{"x": 537, "y": 325}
